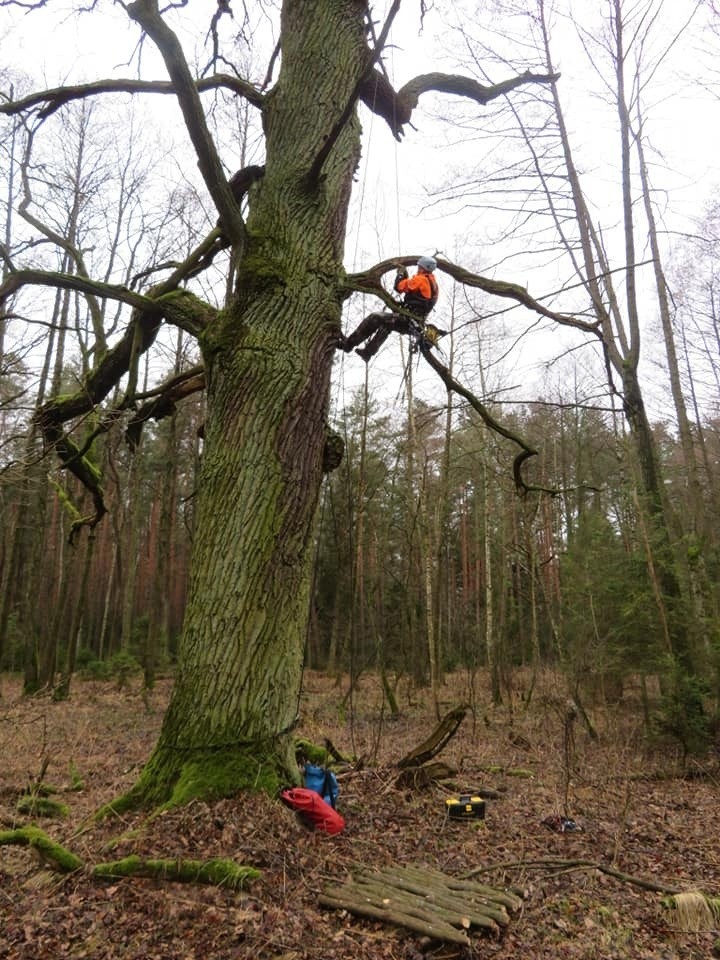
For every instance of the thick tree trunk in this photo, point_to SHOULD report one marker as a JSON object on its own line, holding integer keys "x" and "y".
{"x": 268, "y": 371}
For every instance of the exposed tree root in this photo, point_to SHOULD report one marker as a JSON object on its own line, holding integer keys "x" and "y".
{"x": 52, "y": 854}
{"x": 217, "y": 872}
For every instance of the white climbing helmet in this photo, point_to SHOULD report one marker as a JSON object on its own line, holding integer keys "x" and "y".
{"x": 427, "y": 263}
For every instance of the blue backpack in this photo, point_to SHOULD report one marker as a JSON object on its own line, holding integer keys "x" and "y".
{"x": 322, "y": 781}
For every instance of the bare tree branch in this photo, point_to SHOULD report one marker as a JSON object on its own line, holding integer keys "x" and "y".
{"x": 526, "y": 451}
{"x": 56, "y": 97}
{"x": 145, "y": 13}
{"x": 369, "y": 281}
{"x": 178, "y": 307}
{"x": 175, "y": 306}
{"x": 163, "y": 401}
{"x": 17, "y": 279}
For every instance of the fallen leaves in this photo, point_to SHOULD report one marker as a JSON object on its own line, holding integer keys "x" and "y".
{"x": 661, "y": 828}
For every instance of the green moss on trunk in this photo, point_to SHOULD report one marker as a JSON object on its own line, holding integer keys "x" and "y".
{"x": 173, "y": 778}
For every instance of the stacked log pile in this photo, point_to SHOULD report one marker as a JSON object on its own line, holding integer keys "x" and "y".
{"x": 424, "y": 901}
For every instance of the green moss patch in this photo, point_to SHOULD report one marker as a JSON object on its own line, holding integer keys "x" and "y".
{"x": 217, "y": 775}
{"x": 33, "y": 805}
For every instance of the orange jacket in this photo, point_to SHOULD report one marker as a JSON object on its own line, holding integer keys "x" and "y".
{"x": 421, "y": 292}
{"x": 422, "y": 283}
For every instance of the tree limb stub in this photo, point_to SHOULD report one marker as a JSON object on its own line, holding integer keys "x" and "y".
{"x": 164, "y": 402}
{"x": 446, "y": 729}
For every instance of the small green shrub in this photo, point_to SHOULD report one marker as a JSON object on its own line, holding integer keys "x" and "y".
{"x": 122, "y": 667}
{"x": 95, "y": 670}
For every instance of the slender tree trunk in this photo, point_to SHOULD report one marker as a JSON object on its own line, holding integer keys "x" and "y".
{"x": 491, "y": 651}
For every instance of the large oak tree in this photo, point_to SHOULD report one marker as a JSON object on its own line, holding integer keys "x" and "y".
{"x": 267, "y": 354}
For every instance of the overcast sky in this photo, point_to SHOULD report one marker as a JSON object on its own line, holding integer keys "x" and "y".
{"x": 394, "y": 210}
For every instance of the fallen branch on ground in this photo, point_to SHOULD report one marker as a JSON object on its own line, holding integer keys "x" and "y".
{"x": 557, "y": 864}
{"x": 52, "y": 854}
{"x": 216, "y": 872}
{"x": 694, "y": 911}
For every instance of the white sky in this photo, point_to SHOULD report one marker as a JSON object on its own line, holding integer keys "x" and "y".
{"x": 394, "y": 179}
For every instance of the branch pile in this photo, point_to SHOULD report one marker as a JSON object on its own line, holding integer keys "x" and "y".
{"x": 424, "y": 901}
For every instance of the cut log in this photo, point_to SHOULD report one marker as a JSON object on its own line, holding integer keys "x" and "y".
{"x": 454, "y": 910}
{"x": 436, "y": 929}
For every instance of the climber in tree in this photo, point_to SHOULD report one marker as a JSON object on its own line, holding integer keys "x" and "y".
{"x": 420, "y": 293}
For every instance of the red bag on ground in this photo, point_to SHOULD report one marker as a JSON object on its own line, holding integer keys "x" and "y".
{"x": 312, "y": 810}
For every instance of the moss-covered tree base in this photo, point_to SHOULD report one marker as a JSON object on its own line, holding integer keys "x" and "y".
{"x": 172, "y": 778}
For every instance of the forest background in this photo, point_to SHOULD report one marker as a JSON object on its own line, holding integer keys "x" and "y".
{"x": 427, "y": 560}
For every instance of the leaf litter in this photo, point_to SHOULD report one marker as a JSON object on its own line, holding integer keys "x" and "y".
{"x": 639, "y": 813}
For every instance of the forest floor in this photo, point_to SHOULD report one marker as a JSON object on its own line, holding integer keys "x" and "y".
{"x": 641, "y": 812}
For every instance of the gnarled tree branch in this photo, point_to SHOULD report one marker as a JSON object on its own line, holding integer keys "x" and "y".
{"x": 370, "y": 281}
{"x": 396, "y": 107}
{"x": 51, "y": 100}
{"x": 163, "y": 401}
{"x": 176, "y": 306}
